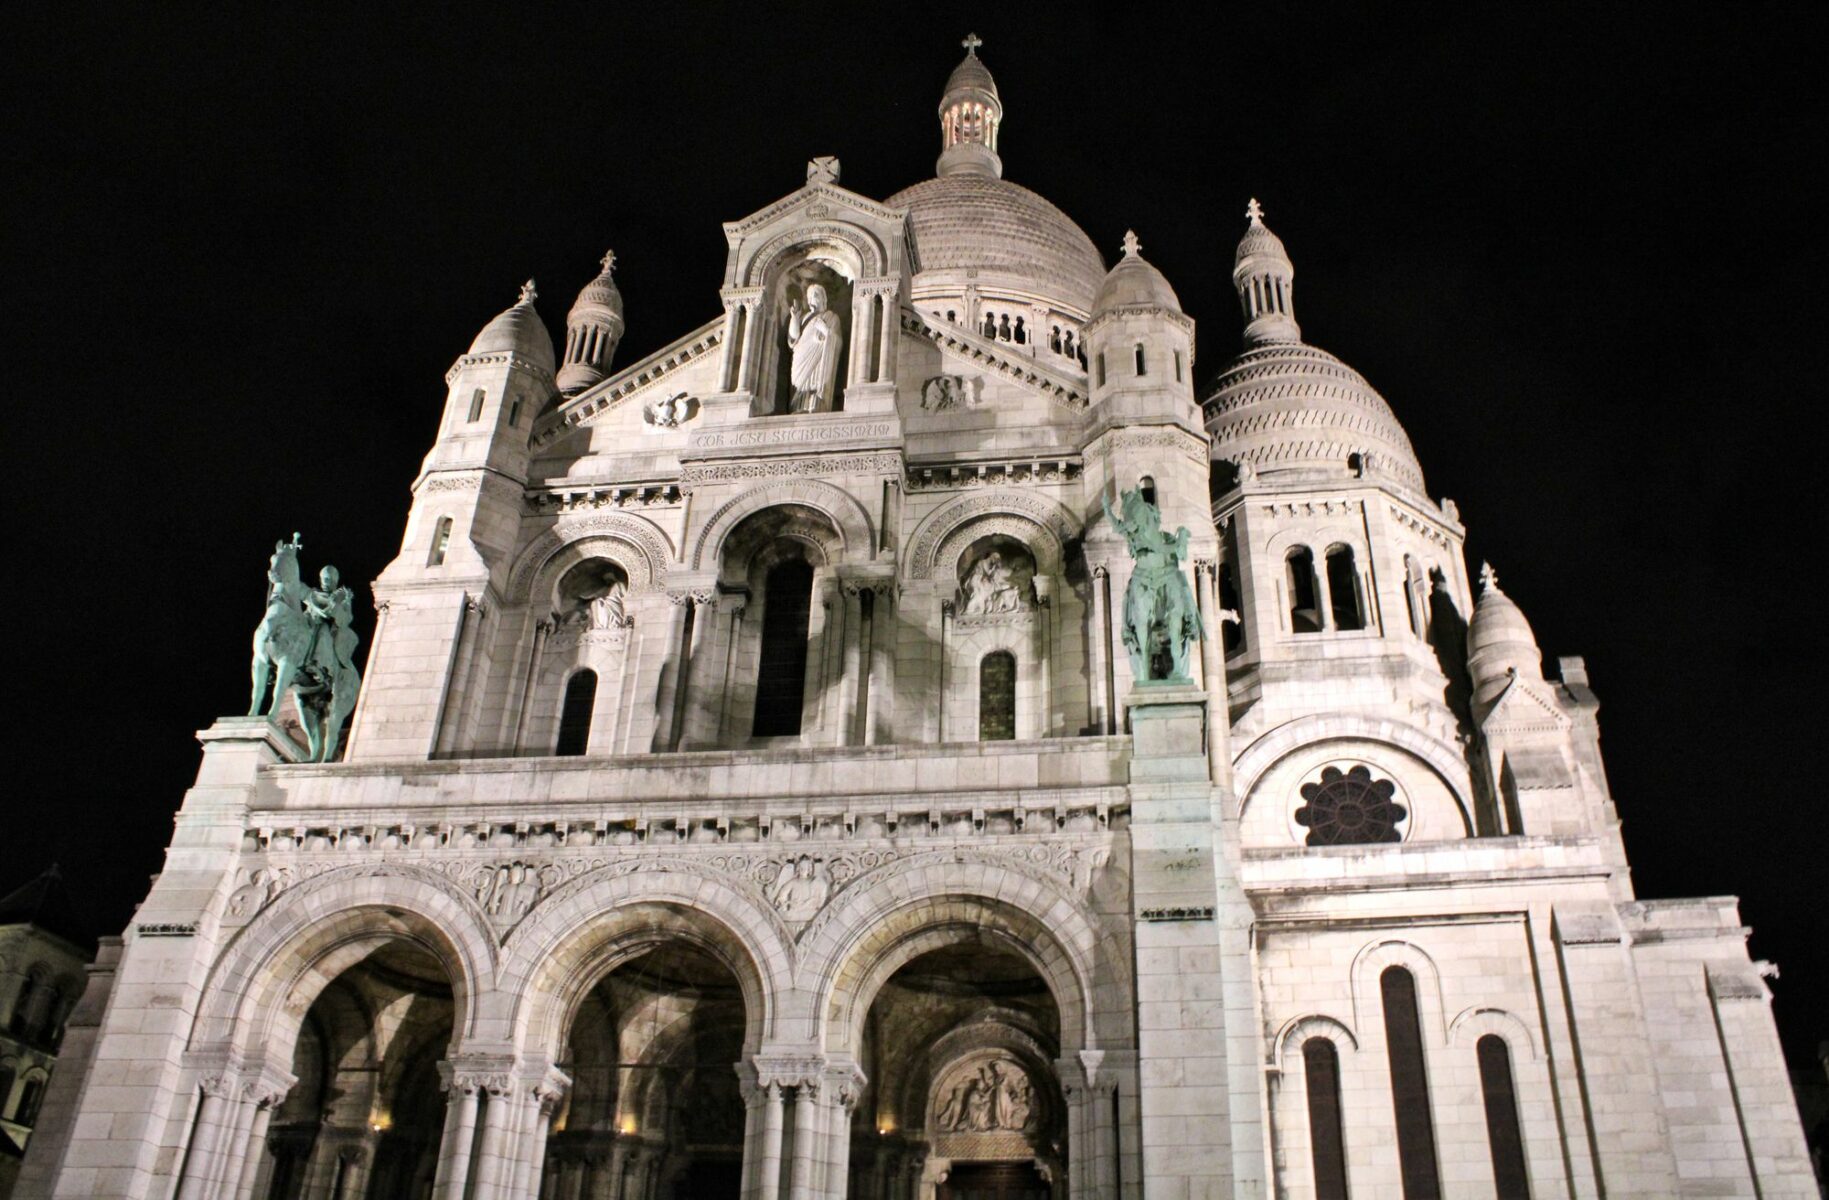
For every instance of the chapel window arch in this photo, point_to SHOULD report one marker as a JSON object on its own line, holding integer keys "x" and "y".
{"x": 441, "y": 542}
{"x": 1327, "y": 1142}
{"x": 997, "y": 696}
{"x": 1504, "y": 1135}
{"x": 1346, "y": 604}
{"x": 1416, "y": 1152}
{"x": 1301, "y": 590}
{"x": 781, "y": 668}
{"x": 575, "y": 712}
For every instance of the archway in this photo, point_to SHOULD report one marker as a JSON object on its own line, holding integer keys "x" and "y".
{"x": 654, "y": 1111}
{"x": 366, "y": 1115}
{"x": 959, "y": 1045}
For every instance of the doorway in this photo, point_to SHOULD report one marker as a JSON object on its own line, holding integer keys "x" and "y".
{"x": 994, "y": 1181}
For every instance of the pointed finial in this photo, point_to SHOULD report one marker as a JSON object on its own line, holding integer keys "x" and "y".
{"x": 1489, "y": 578}
{"x": 609, "y": 261}
{"x": 1131, "y": 244}
{"x": 528, "y": 295}
{"x": 971, "y": 43}
{"x": 1255, "y": 211}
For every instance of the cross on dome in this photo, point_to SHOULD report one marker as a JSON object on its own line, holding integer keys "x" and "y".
{"x": 971, "y": 43}
{"x": 1131, "y": 244}
{"x": 1255, "y": 211}
{"x": 609, "y": 261}
{"x": 528, "y": 294}
{"x": 1489, "y": 578}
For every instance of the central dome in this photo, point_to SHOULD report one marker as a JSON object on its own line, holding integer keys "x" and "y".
{"x": 1012, "y": 238}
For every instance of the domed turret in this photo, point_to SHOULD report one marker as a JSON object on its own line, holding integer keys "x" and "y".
{"x": 1134, "y": 283}
{"x": 518, "y": 331}
{"x": 970, "y": 114}
{"x": 1499, "y": 641}
{"x": 592, "y": 329}
{"x": 983, "y": 245}
{"x": 1284, "y": 407}
{"x": 1265, "y": 279}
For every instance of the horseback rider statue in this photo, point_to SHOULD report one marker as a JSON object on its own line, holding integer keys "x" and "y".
{"x": 304, "y": 643}
{"x": 1160, "y": 619}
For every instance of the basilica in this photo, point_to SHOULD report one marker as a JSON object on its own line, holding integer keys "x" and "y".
{"x": 920, "y": 734}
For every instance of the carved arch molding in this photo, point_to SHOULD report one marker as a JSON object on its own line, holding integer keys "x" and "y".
{"x": 647, "y": 565}
{"x": 943, "y": 536}
{"x": 839, "y": 505}
{"x": 869, "y": 251}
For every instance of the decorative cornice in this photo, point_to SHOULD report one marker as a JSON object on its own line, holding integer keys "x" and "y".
{"x": 616, "y": 495}
{"x": 927, "y": 477}
{"x": 801, "y": 196}
{"x": 509, "y": 358}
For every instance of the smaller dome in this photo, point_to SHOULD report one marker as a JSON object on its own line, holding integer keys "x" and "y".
{"x": 1134, "y": 283}
{"x": 600, "y": 296}
{"x": 1499, "y": 641}
{"x": 519, "y": 331}
{"x": 1258, "y": 241}
{"x": 971, "y": 75}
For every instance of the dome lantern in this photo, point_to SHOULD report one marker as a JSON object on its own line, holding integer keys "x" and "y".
{"x": 970, "y": 115}
{"x": 593, "y": 327}
{"x": 1265, "y": 279}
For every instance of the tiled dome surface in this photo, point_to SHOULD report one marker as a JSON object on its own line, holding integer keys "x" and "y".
{"x": 1004, "y": 231}
{"x": 1289, "y": 405}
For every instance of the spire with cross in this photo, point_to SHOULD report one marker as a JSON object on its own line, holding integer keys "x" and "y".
{"x": 528, "y": 295}
{"x": 1131, "y": 244}
{"x": 1489, "y": 578}
{"x": 1255, "y": 211}
{"x": 609, "y": 261}
{"x": 971, "y": 43}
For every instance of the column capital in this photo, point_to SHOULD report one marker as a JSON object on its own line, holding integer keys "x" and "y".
{"x": 803, "y": 1070}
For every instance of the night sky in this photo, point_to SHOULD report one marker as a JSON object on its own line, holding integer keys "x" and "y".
{"x": 1571, "y": 246}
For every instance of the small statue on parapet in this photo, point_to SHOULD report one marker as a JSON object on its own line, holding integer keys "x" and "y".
{"x": 304, "y": 643}
{"x": 1161, "y": 621}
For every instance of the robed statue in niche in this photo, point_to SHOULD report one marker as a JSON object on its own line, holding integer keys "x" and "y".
{"x": 816, "y": 342}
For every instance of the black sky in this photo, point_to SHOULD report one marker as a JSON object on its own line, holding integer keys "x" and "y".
{"x": 1575, "y": 247}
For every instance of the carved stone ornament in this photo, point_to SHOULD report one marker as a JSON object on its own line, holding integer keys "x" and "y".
{"x": 985, "y": 1096}
{"x": 670, "y": 412}
{"x": 801, "y": 888}
{"x": 823, "y": 169}
{"x": 943, "y": 392}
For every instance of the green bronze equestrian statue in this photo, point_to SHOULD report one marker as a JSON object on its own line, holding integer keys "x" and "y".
{"x": 305, "y": 643}
{"x": 1161, "y": 621}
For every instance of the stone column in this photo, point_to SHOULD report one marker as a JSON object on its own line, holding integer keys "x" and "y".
{"x": 806, "y": 1125}
{"x": 460, "y": 1132}
{"x": 863, "y": 337}
{"x": 1104, "y": 713}
{"x": 494, "y": 1162}
{"x": 672, "y": 672}
{"x": 256, "y": 1153}
{"x": 880, "y": 729}
{"x": 892, "y": 321}
{"x": 752, "y": 341}
{"x": 844, "y": 1093}
{"x": 768, "y": 1163}
{"x": 213, "y": 1117}
{"x": 854, "y": 666}
{"x": 940, "y": 696}
{"x": 1213, "y": 670}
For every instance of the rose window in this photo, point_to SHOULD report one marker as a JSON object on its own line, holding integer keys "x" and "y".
{"x": 1350, "y": 808}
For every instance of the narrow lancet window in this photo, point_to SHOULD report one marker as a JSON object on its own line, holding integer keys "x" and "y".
{"x": 575, "y": 714}
{"x": 997, "y": 697}
{"x": 781, "y": 674}
{"x": 1502, "y": 1129}
{"x": 476, "y": 405}
{"x": 1304, "y": 612}
{"x": 1343, "y": 589}
{"x": 441, "y": 542}
{"x": 1321, "y": 1070}
{"x": 1142, "y": 365}
{"x": 1403, "y": 1035}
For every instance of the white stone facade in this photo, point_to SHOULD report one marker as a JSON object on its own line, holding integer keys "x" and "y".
{"x": 832, "y": 900}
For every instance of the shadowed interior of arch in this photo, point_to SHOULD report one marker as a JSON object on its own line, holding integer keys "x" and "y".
{"x": 367, "y": 1113}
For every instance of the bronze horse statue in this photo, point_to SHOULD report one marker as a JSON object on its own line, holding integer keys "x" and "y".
{"x": 303, "y": 644}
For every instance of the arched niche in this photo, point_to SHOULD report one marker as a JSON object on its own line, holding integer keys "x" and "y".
{"x": 996, "y": 576}
{"x": 808, "y": 332}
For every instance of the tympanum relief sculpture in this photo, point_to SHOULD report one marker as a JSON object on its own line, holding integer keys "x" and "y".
{"x": 997, "y": 1096}
{"x": 1000, "y": 580}
{"x": 801, "y": 888}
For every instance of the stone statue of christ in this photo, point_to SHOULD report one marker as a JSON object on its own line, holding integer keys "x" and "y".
{"x": 817, "y": 341}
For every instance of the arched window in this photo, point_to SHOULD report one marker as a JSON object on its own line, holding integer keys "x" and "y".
{"x": 1142, "y": 365}
{"x": 8, "y": 1074}
{"x": 997, "y": 697}
{"x": 514, "y": 411}
{"x": 781, "y": 674}
{"x": 575, "y": 714}
{"x": 1403, "y": 1035}
{"x": 1414, "y": 585}
{"x": 1177, "y": 366}
{"x": 1502, "y": 1129}
{"x": 44, "y": 1028}
{"x": 1321, "y": 1069}
{"x": 1304, "y": 611}
{"x": 476, "y": 405}
{"x": 1101, "y": 368}
{"x": 1343, "y": 589}
{"x": 441, "y": 541}
{"x": 29, "y": 1099}
{"x": 22, "y": 1003}
{"x": 1147, "y": 486}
